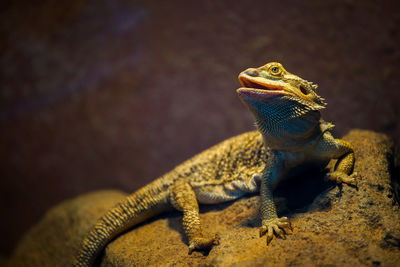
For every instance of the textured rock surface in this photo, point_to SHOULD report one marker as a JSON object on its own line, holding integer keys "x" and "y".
{"x": 53, "y": 241}
{"x": 333, "y": 225}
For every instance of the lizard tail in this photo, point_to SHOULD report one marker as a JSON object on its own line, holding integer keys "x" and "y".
{"x": 136, "y": 208}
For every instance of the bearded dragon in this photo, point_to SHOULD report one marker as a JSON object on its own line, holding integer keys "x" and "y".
{"x": 290, "y": 133}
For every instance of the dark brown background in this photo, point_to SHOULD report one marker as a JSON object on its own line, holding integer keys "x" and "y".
{"x": 111, "y": 94}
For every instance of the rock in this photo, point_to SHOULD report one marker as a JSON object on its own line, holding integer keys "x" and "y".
{"x": 54, "y": 240}
{"x": 333, "y": 225}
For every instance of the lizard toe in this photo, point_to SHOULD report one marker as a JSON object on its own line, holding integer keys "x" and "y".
{"x": 275, "y": 227}
{"x": 203, "y": 243}
{"x": 341, "y": 177}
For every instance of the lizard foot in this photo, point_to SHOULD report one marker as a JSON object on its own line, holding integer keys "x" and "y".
{"x": 341, "y": 177}
{"x": 203, "y": 243}
{"x": 275, "y": 225}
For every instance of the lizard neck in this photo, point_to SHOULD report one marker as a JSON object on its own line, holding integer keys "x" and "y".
{"x": 286, "y": 124}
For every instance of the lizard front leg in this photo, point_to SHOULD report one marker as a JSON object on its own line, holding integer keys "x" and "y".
{"x": 344, "y": 152}
{"x": 183, "y": 198}
{"x": 270, "y": 222}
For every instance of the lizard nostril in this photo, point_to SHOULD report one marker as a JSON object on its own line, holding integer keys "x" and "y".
{"x": 252, "y": 72}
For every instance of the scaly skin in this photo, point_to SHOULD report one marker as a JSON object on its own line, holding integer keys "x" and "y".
{"x": 291, "y": 132}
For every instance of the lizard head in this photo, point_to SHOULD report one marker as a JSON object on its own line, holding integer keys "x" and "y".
{"x": 272, "y": 80}
{"x": 286, "y": 107}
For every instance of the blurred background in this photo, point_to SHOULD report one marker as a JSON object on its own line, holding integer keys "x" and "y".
{"x": 112, "y": 94}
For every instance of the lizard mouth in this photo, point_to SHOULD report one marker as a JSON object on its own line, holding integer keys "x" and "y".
{"x": 254, "y": 87}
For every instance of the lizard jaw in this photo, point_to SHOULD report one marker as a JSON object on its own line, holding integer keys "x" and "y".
{"x": 258, "y": 93}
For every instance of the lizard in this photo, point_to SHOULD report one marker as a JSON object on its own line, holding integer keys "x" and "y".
{"x": 290, "y": 132}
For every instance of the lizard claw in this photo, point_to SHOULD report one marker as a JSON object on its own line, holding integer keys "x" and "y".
{"x": 279, "y": 226}
{"x": 203, "y": 243}
{"x": 341, "y": 177}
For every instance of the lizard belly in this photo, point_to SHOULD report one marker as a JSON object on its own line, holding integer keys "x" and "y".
{"x": 217, "y": 194}
{"x": 230, "y": 190}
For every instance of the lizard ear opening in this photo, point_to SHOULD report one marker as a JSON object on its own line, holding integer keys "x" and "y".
{"x": 303, "y": 90}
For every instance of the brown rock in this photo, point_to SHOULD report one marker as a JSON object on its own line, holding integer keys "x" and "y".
{"x": 333, "y": 225}
{"x": 54, "y": 240}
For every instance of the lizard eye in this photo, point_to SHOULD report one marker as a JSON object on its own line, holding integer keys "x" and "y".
{"x": 275, "y": 70}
